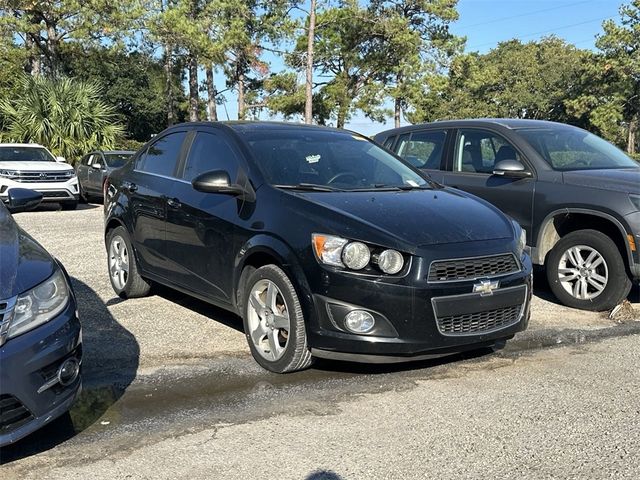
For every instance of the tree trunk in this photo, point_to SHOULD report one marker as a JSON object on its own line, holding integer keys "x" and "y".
{"x": 52, "y": 50}
{"x": 343, "y": 109}
{"x": 397, "y": 107}
{"x": 211, "y": 92}
{"x": 631, "y": 139}
{"x": 168, "y": 78}
{"x": 308, "y": 101}
{"x": 241, "y": 104}
{"x": 193, "y": 88}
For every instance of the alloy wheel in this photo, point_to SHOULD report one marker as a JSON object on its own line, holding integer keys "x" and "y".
{"x": 118, "y": 262}
{"x": 268, "y": 318}
{"x": 583, "y": 272}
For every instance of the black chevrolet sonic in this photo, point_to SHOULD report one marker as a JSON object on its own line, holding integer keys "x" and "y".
{"x": 326, "y": 244}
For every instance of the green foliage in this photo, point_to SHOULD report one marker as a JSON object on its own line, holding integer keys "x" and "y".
{"x": 65, "y": 115}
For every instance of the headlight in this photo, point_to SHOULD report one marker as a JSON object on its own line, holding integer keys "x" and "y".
{"x": 344, "y": 253}
{"x": 8, "y": 173}
{"x": 522, "y": 239}
{"x": 71, "y": 173}
{"x": 635, "y": 199}
{"x": 356, "y": 255}
{"x": 390, "y": 261}
{"x": 39, "y": 305}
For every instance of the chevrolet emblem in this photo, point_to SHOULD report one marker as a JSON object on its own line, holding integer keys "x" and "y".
{"x": 486, "y": 287}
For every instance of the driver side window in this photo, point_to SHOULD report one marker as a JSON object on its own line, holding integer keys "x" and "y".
{"x": 479, "y": 150}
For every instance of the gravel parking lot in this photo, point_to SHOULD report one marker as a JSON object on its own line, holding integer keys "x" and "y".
{"x": 135, "y": 336}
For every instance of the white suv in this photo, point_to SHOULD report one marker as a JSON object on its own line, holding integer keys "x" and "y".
{"x": 29, "y": 165}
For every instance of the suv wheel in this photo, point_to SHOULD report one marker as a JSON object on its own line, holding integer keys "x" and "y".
{"x": 274, "y": 323}
{"x": 123, "y": 269}
{"x": 586, "y": 271}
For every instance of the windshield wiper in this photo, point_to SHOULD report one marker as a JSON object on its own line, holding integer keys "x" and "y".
{"x": 311, "y": 187}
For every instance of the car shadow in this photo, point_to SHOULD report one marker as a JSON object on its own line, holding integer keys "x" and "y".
{"x": 110, "y": 361}
{"x": 52, "y": 207}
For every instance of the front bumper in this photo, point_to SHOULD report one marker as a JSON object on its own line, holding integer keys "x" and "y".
{"x": 51, "y": 191}
{"x": 415, "y": 319}
{"x": 28, "y": 361}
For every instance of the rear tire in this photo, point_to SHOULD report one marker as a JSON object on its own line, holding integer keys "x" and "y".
{"x": 122, "y": 266}
{"x": 274, "y": 324}
{"x": 585, "y": 270}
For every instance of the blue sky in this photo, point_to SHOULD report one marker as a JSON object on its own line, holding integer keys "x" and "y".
{"x": 487, "y": 22}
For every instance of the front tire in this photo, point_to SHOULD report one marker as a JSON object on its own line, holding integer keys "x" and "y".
{"x": 123, "y": 268}
{"x": 274, "y": 323}
{"x": 585, "y": 270}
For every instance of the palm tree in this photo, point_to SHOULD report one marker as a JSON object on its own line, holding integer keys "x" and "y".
{"x": 68, "y": 116}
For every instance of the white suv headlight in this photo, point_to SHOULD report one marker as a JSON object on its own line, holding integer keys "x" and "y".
{"x": 39, "y": 305}
{"x": 8, "y": 173}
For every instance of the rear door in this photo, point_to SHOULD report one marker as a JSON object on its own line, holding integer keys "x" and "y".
{"x": 149, "y": 186}
{"x": 424, "y": 149}
{"x": 201, "y": 227}
{"x": 475, "y": 153}
{"x": 82, "y": 171}
{"x": 95, "y": 174}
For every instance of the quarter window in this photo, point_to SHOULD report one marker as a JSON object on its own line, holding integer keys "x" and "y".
{"x": 479, "y": 150}
{"x": 161, "y": 157}
{"x": 423, "y": 149}
{"x": 210, "y": 151}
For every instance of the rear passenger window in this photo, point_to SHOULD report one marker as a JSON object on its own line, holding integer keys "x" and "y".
{"x": 423, "y": 149}
{"x": 210, "y": 151}
{"x": 388, "y": 143}
{"x": 162, "y": 156}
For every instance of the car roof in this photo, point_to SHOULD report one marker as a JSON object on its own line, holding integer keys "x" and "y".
{"x": 117, "y": 152}
{"x": 510, "y": 123}
{"x": 250, "y": 126}
{"x": 28, "y": 145}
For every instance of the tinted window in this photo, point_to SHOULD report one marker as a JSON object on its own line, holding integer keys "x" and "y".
{"x": 25, "y": 154}
{"x": 423, "y": 149}
{"x": 116, "y": 160}
{"x": 479, "y": 150}
{"x": 161, "y": 157}
{"x": 388, "y": 143}
{"x": 567, "y": 148}
{"x": 85, "y": 160}
{"x": 328, "y": 159}
{"x": 210, "y": 151}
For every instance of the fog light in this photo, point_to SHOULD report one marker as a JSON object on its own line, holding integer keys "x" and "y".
{"x": 68, "y": 371}
{"x": 359, "y": 321}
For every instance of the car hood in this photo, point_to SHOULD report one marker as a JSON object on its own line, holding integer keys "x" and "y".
{"x": 23, "y": 262}
{"x": 416, "y": 217}
{"x": 36, "y": 166}
{"x": 626, "y": 180}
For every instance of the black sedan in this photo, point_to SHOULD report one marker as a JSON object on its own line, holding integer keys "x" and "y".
{"x": 576, "y": 195}
{"x": 40, "y": 334}
{"x": 326, "y": 244}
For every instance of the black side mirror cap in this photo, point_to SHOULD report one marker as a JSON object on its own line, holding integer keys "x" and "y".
{"x": 23, "y": 199}
{"x": 510, "y": 168}
{"x": 218, "y": 181}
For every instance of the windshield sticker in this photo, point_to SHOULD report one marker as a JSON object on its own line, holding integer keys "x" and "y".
{"x": 313, "y": 158}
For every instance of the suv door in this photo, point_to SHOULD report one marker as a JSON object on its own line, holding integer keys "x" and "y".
{"x": 424, "y": 149}
{"x": 201, "y": 226}
{"x": 476, "y": 151}
{"x": 95, "y": 174}
{"x": 148, "y": 186}
{"x": 82, "y": 171}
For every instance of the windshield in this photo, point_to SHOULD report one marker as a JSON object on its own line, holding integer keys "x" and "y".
{"x": 25, "y": 154}
{"x": 328, "y": 160}
{"x": 116, "y": 160}
{"x": 569, "y": 148}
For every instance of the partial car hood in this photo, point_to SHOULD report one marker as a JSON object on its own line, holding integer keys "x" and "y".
{"x": 23, "y": 262}
{"x": 626, "y": 180}
{"x": 36, "y": 166}
{"x": 418, "y": 217}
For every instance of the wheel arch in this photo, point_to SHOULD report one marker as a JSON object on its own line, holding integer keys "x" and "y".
{"x": 561, "y": 222}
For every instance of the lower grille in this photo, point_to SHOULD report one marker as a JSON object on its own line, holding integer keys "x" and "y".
{"x": 479, "y": 322}
{"x": 13, "y": 414}
{"x": 61, "y": 194}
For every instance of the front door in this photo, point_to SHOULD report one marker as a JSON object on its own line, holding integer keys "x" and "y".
{"x": 201, "y": 242}
{"x": 476, "y": 153}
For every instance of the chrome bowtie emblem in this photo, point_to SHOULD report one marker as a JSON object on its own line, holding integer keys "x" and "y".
{"x": 486, "y": 287}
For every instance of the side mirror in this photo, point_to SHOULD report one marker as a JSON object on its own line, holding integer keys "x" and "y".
{"x": 218, "y": 181}
{"x": 97, "y": 166}
{"x": 510, "y": 168}
{"x": 61, "y": 160}
{"x": 22, "y": 199}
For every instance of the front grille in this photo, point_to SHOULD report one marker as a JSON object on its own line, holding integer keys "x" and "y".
{"x": 42, "y": 177}
{"x": 472, "y": 268}
{"x": 479, "y": 322}
{"x": 13, "y": 413}
{"x": 6, "y": 313}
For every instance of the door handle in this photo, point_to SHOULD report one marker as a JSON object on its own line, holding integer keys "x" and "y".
{"x": 131, "y": 187}
{"x": 173, "y": 202}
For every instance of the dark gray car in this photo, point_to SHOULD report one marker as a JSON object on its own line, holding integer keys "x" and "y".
{"x": 95, "y": 167}
{"x": 577, "y": 196}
